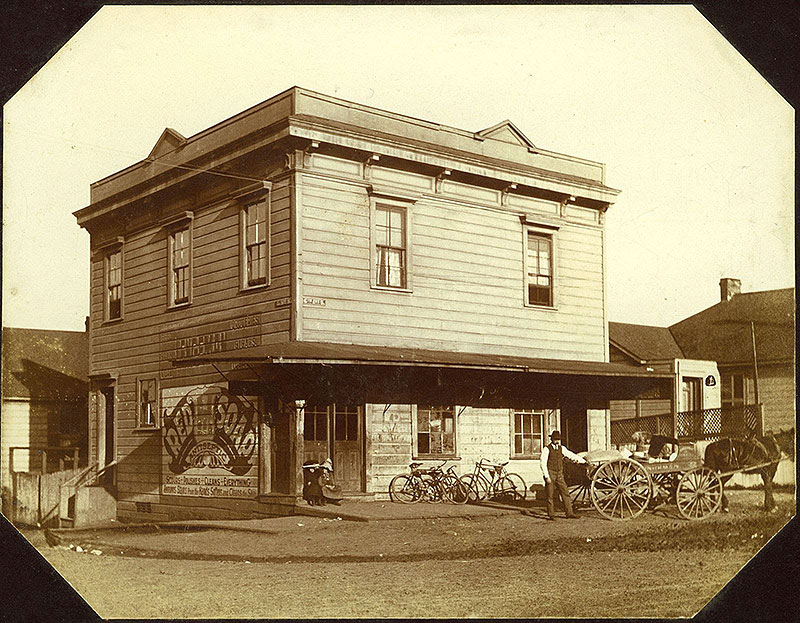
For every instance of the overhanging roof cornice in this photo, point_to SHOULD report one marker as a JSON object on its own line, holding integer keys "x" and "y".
{"x": 349, "y": 354}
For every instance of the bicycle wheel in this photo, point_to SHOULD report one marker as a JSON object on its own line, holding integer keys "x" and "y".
{"x": 455, "y": 490}
{"x": 510, "y": 488}
{"x": 404, "y": 489}
{"x": 431, "y": 489}
{"x": 478, "y": 490}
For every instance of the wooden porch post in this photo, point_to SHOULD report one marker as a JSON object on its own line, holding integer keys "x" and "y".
{"x": 296, "y": 441}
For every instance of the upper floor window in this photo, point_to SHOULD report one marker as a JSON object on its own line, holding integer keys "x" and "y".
{"x": 526, "y": 434}
{"x": 180, "y": 265}
{"x": 436, "y": 431}
{"x": 539, "y": 269}
{"x": 148, "y": 404}
{"x": 114, "y": 285}
{"x": 255, "y": 244}
{"x": 390, "y": 246}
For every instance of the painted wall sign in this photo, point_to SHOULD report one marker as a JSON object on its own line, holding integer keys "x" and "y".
{"x": 219, "y": 337}
{"x": 285, "y": 302}
{"x": 314, "y": 302}
{"x": 710, "y": 381}
{"x": 209, "y": 443}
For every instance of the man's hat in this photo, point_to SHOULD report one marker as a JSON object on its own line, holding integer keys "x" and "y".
{"x": 555, "y": 435}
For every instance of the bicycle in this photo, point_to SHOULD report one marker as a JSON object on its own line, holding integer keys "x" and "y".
{"x": 497, "y": 485}
{"x": 429, "y": 485}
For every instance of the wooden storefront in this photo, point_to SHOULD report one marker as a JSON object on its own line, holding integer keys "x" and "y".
{"x": 314, "y": 278}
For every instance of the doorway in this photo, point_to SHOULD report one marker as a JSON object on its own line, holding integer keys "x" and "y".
{"x": 107, "y": 439}
{"x": 575, "y": 425}
{"x": 337, "y": 432}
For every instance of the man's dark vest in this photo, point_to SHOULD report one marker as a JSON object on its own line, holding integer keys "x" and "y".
{"x": 555, "y": 459}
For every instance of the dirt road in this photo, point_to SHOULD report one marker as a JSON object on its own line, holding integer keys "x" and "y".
{"x": 505, "y": 566}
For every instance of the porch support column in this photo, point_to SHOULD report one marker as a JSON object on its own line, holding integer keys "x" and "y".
{"x": 296, "y": 448}
{"x": 599, "y": 431}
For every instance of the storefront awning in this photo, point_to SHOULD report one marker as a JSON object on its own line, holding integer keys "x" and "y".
{"x": 351, "y": 354}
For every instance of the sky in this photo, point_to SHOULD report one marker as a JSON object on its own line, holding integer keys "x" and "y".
{"x": 699, "y": 143}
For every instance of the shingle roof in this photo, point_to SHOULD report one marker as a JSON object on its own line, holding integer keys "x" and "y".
{"x": 722, "y": 332}
{"x": 45, "y": 365}
{"x": 644, "y": 342}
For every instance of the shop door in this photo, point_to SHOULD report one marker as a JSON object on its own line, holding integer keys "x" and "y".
{"x": 691, "y": 396}
{"x": 348, "y": 443}
{"x": 315, "y": 434}
{"x": 575, "y": 426}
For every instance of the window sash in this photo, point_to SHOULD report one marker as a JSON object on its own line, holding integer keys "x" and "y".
{"x": 527, "y": 433}
{"x": 148, "y": 403}
{"x": 540, "y": 269}
{"x": 436, "y": 431}
{"x": 181, "y": 264}
{"x": 114, "y": 285}
{"x": 255, "y": 243}
{"x": 390, "y": 246}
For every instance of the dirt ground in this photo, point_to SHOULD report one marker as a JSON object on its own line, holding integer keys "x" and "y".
{"x": 493, "y": 566}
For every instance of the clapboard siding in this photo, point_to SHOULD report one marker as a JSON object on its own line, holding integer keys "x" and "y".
{"x": 464, "y": 260}
{"x": 776, "y": 388}
{"x": 140, "y": 345}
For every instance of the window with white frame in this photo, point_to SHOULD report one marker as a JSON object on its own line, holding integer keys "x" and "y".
{"x": 539, "y": 268}
{"x": 180, "y": 265}
{"x": 436, "y": 431}
{"x": 255, "y": 243}
{"x": 148, "y": 404}
{"x": 527, "y": 433}
{"x": 390, "y": 237}
{"x": 113, "y": 265}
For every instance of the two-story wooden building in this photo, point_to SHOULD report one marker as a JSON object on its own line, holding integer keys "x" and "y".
{"x": 316, "y": 278}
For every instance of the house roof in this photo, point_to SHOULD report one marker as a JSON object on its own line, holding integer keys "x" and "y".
{"x": 330, "y": 353}
{"x": 45, "y": 365}
{"x": 722, "y": 332}
{"x": 644, "y": 342}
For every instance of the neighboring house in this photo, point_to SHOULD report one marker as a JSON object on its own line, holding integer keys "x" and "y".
{"x": 697, "y": 382}
{"x": 44, "y": 410}
{"x": 315, "y": 278}
{"x": 722, "y": 333}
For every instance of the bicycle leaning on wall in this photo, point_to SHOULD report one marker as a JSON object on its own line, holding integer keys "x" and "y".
{"x": 491, "y": 481}
{"x": 428, "y": 485}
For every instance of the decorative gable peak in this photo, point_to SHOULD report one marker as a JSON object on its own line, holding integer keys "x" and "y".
{"x": 508, "y": 133}
{"x": 170, "y": 140}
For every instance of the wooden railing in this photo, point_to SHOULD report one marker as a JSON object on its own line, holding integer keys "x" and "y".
{"x": 736, "y": 422}
{"x": 44, "y": 460}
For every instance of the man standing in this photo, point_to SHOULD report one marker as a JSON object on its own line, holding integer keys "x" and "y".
{"x": 553, "y": 455}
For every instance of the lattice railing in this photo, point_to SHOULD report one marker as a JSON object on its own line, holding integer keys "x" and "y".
{"x": 737, "y": 422}
{"x": 622, "y": 430}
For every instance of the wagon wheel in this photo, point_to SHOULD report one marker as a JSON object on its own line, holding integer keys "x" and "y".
{"x": 699, "y": 493}
{"x": 621, "y": 489}
{"x": 580, "y": 492}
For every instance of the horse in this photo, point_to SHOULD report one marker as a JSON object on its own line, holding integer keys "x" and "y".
{"x": 728, "y": 455}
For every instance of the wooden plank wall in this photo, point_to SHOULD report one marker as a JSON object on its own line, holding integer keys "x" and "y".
{"x": 777, "y": 393}
{"x": 15, "y": 431}
{"x": 466, "y": 259}
{"x": 480, "y": 433}
{"x": 141, "y": 345}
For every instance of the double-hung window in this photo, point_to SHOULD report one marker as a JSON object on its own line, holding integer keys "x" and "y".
{"x": 390, "y": 246}
{"x": 180, "y": 265}
{"x": 526, "y": 433}
{"x": 436, "y": 431}
{"x": 255, "y": 243}
{"x": 114, "y": 284}
{"x": 539, "y": 268}
{"x": 148, "y": 404}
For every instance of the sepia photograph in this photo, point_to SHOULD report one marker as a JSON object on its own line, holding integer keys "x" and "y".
{"x": 366, "y": 312}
